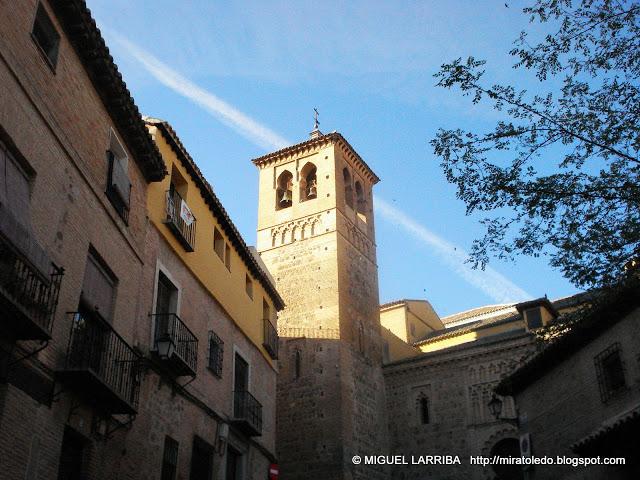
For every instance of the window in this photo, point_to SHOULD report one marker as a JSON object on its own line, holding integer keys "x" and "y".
{"x": 361, "y": 206}
{"x": 241, "y": 374}
{"x": 610, "y": 372}
{"x": 284, "y": 190}
{"x": 169, "y": 459}
{"x": 234, "y": 469}
{"x": 118, "y": 184}
{"x": 201, "y": 460}
{"x": 218, "y": 244}
{"x": 166, "y": 296}
{"x": 266, "y": 310}
{"x": 216, "y": 350}
{"x": 423, "y": 410}
{"x": 360, "y": 337}
{"x": 98, "y": 287}
{"x": 248, "y": 285}
{"x": 72, "y": 456}
{"x": 533, "y": 318}
{"x": 297, "y": 364}
{"x": 227, "y": 256}
{"x": 308, "y": 182}
{"x": 46, "y": 36}
{"x": 348, "y": 189}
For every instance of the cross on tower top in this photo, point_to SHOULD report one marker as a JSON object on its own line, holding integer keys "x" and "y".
{"x": 315, "y": 133}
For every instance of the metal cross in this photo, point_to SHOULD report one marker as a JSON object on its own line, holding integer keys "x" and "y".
{"x": 315, "y": 117}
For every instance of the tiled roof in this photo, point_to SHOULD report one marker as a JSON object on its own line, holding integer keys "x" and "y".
{"x": 313, "y": 142}
{"x": 474, "y": 312}
{"x": 468, "y": 327}
{"x": 218, "y": 210}
{"x": 611, "y": 426}
{"x": 607, "y": 309}
{"x": 398, "y": 302}
{"x": 82, "y": 32}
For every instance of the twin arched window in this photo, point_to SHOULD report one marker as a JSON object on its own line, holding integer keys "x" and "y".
{"x": 308, "y": 186}
{"x": 361, "y": 203}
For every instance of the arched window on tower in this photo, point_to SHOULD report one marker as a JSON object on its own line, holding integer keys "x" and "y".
{"x": 348, "y": 189}
{"x": 361, "y": 204}
{"x": 284, "y": 190}
{"x": 308, "y": 182}
{"x": 297, "y": 364}
{"x": 423, "y": 409}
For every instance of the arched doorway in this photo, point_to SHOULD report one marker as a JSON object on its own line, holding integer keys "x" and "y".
{"x": 507, "y": 447}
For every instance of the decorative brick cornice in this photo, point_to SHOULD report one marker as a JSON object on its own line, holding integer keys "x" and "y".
{"x": 316, "y": 144}
{"x": 83, "y": 34}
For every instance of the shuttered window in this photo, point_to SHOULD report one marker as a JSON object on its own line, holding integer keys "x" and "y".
{"x": 98, "y": 287}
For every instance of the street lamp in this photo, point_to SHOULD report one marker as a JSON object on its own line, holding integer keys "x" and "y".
{"x": 165, "y": 347}
{"x": 495, "y": 407}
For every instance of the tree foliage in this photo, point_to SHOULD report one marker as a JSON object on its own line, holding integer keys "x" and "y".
{"x": 558, "y": 175}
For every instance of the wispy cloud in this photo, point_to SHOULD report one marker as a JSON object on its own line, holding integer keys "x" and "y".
{"x": 492, "y": 283}
{"x": 227, "y": 114}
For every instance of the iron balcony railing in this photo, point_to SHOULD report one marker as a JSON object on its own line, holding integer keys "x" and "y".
{"x": 101, "y": 365}
{"x": 184, "y": 231}
{"x": 28, "y": 297}
{"x": 183, "y": 344}
{"x": 270, "y": 341}
{"x": 247, "y": 412}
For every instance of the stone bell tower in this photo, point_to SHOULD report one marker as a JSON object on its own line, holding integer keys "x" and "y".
{"x": 316, "y": 235}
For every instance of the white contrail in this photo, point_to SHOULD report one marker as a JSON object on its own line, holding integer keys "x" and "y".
{"x": 230, "y": 116}
{"x": 489, "y": 281}
{"x": 495, "y": 285}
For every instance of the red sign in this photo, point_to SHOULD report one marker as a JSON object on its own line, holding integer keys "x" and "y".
{"x": 274, "y": 471}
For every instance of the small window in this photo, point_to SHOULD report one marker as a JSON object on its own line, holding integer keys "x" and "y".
{"x": 169, "y": 459}
{"x": 533, "y": 318}
{"x": 248, "y": 286}
{"x": 227, "y": 256}
{"x": 423, "y": 410}
{"x": 297, "y": 364}
{"x": 218, "y": 244}
{"x": 118, "y": 184}
{"x": 360, "y": 337}
{"x": 216, "y": 351}
{"x": 610, "y": 371}
{"x": 284, "y": 190}
{"x": 46, "y": 35}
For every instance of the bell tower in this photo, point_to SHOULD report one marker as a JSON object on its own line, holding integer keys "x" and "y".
{"x": 316, "y": 235}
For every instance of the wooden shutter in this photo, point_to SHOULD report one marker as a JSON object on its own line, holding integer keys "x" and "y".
{"x": 98, "y": 288}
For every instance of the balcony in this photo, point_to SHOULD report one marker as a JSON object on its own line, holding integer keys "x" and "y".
{"x": 175, "y": 344}
{"x": 28, "y": 295}
{"x": 270, "y": 342}
{"x": 180, "y": 220}
{"x": 101, "y": 366}
{"x": 247, "y": 413}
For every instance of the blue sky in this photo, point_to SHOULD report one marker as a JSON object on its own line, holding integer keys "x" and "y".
{"x": 237, "y": 79}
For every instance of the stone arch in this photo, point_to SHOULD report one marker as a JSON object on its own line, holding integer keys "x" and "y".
{"x": 294, "y": 233}
{"x": 348, "y": 188}
{"x": 284, "y": 190}
{"x": 506, "y": 432}
{"x": 283, "y": 237}
{"x": 308, "y": 182}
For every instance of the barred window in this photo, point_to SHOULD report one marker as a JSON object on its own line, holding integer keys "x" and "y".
{"x": 216, "y": 349}
{"x": 610, "y": 371}
{"x": 169, "y": 459}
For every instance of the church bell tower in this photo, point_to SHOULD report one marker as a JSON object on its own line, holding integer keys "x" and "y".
{"x": 316, "y": 235}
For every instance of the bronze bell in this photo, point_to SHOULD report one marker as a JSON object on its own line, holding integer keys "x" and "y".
{"x": 286, "y": 197}
{"x": 312, "y": 191}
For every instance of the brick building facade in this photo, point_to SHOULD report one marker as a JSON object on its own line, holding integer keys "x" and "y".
{"x": 119, "y": 359}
